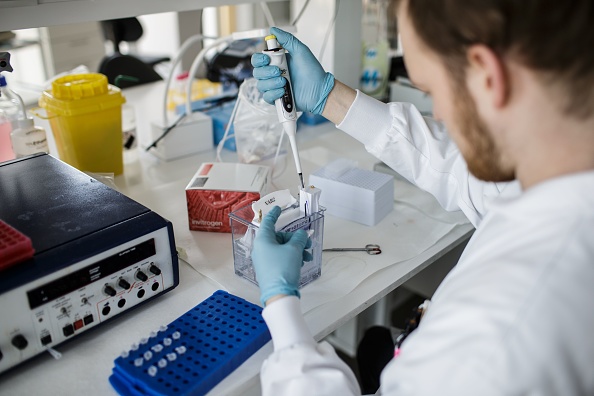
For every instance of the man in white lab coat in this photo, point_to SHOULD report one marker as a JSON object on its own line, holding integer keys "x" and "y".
{"x": 513, "y": 82}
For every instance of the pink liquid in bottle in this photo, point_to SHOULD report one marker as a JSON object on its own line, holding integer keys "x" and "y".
{"x": 6, "y": 152}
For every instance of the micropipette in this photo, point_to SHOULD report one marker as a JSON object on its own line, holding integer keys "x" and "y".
{"x": 285, "y": 105}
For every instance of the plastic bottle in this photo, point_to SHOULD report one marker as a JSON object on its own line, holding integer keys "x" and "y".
{"x": 375, "y": 51}
{"x": 11, "y": 103}
{"x": 177, "y": 93}
{"x": 130, "y": 140}
{"x": 6, "y": 152}
{"x": 28, "y": 139}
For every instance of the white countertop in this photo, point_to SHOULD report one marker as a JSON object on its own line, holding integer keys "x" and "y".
{"x": 412, "y": 237}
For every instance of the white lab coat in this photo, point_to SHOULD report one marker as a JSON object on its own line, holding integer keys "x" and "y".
{"x": 514, "y": 317}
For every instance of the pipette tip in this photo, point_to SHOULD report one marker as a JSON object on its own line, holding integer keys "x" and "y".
{"x": 301, "y": 178}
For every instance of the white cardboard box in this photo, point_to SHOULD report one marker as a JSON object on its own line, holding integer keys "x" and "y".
{"x": 355, "y": 194}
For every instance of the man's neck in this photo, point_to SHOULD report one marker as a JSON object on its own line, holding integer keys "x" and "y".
{"x": 541, "y": 140}
{"x": 558, "y": 148}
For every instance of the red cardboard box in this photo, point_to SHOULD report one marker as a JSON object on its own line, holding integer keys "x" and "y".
{"x": 219, "y": 188}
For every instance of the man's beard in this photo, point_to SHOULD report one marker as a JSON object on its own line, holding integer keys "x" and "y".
{"x": 481, "y": 154}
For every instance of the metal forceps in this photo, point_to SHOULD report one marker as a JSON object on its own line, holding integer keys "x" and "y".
{"x": 371, "y": 249}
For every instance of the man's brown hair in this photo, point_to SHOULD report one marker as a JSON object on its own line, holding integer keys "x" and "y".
{"x": 555, "y": 38}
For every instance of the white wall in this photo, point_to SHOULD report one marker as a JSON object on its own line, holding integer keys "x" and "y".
{"x": 26, "y": 61}
{"x": 160, "y": 34}
{"x": 342, "y": 54}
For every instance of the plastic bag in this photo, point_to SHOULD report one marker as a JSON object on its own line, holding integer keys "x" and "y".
{"x": 257, "y": 129}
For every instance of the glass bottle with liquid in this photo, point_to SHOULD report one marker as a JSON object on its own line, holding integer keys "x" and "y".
{"x": 11, "y": 108}
{"x": 6, "y": 152}
{"x": 11, "y": 103}
{"x": 375, "y": 49}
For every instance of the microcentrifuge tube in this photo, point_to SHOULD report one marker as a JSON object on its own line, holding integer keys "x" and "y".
{"x": 171, "y": 356}
{"x": 55, "y": 354}
{"x": 152, "y": 371}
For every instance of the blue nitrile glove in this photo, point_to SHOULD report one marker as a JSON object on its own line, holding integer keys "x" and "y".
{"x": 278, "y": 257}
{"x": 311, "y": 84}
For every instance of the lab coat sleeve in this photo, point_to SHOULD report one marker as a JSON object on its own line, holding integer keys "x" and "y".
{"x": 299, "y": 365}
{"x": 419, "y": 149}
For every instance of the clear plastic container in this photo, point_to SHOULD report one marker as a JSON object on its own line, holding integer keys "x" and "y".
{"x": 244, "y": 232}
{"x": 256, "y": 125}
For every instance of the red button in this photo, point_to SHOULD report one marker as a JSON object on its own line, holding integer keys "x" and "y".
{"x": 78, "y": 324}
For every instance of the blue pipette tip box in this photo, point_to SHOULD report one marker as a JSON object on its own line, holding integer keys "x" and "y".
{"x": 193, "y": 353}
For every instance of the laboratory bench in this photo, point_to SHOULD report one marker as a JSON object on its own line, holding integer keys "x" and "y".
{"x": 416, "y": 234}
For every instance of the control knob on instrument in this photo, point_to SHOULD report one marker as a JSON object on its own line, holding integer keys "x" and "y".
{"x": 141, "y": 276}
{"x": 110, "y": 291}
{"x": 20, "y": 342}
{"x": 154, "y": 269}
{"x": 123, "y": 283}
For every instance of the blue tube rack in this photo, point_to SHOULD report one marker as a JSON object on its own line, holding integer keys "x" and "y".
{"x": 194, "y": 352}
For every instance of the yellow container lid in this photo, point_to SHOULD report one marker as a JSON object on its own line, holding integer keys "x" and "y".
{"x": 78, "y": 94}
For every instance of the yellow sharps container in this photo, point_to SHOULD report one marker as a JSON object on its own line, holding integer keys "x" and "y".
{"x": 85, "y": 115}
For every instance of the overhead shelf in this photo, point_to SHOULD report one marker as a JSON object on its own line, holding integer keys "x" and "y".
{"x": 22, "y": 14}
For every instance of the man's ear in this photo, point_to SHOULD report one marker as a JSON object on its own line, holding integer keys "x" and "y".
{"x": 488, "y": 74}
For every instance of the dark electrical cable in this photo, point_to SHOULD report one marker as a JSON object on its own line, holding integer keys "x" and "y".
{"x": 166, "y": 131}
